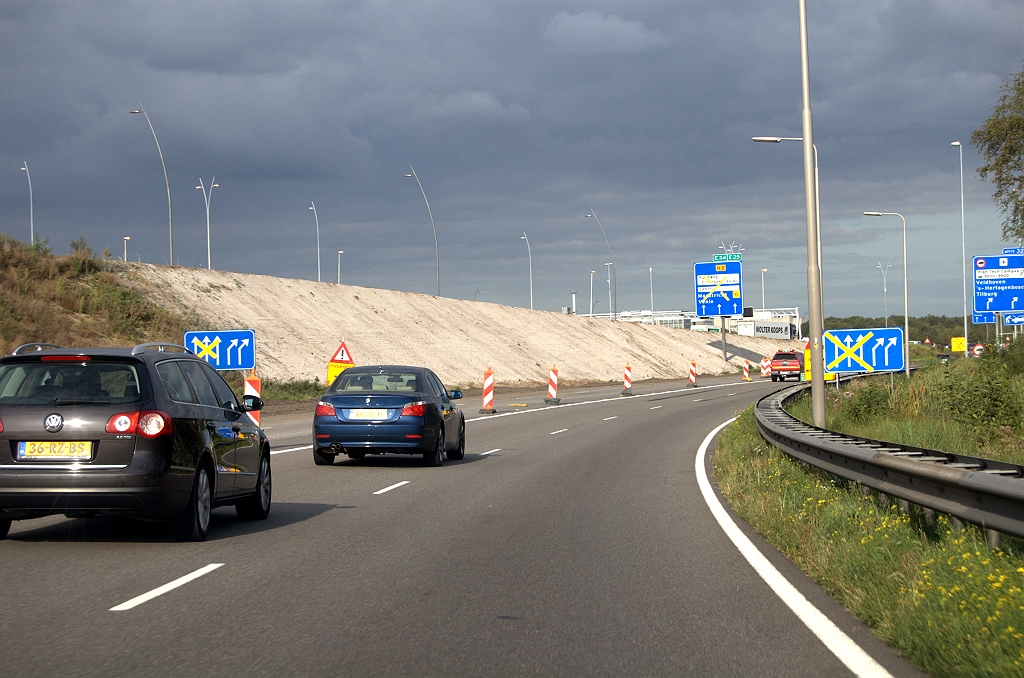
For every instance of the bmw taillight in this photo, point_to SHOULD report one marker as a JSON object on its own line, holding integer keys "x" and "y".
{"x": 325, "y": 410}
{"x": 417, "y": 409}
{"x": 148, "y": 423}
{"x": 1, "y": 427}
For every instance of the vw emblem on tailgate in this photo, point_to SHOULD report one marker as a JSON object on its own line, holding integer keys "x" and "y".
{"x": 53, "y": 423}
{"x": 367, "y": 401}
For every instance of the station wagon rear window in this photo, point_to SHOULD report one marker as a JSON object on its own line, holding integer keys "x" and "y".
{"x": 377, "y": 381}
{"x": 69, "y": 383}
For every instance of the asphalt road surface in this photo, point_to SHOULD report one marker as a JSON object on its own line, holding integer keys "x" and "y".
{"x": 572, "y": 540}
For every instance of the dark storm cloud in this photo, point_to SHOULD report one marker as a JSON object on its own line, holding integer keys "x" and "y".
{"x": 517, "y": 116}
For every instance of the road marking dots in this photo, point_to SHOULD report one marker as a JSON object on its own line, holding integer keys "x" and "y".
{"x": 656, "y": 407}
{"x": 610, "y": 418}
{"x": 160, "y": 590}
{"x": 561, "y": 430}
{"x": 292, "y": 449}
{"x": 841, "y": 645}
{"x": 496, "y": 449}
{"x": 391, "y": 487}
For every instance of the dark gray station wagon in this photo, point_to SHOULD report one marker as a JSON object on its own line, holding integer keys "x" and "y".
{"x": 151, "y": 431}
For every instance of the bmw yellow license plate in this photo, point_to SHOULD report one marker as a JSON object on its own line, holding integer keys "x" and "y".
{"x": 55, "y": 450}
{"x": 374, "y": 415}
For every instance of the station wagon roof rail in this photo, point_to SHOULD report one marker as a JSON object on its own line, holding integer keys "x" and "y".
{"x": 159, "y": 346}
{"x": 35, "y": 346}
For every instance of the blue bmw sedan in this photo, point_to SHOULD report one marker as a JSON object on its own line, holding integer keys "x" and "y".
{"x": 388, "y": 409}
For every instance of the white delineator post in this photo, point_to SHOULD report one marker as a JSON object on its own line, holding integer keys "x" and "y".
{"x": 693, "y": 373}
{"x": 488, "y": 404}
{"x": 746, "y": 370}
{"x": 627, "y": 381}
{"x": 553, "y": 386}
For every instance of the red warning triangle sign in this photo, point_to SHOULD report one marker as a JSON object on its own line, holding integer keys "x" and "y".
{"x": 342, "y": 355}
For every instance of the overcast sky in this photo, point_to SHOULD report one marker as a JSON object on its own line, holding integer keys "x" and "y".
{"x": 517, "y": 116}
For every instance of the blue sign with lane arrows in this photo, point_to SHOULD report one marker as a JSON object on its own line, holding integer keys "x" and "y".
{"x": 718, "y": 288}
{"x": 984, "y": 318}
{"x": 879, "y": 349}
{"x": 999, "y": 283}
{"x": 224, "y": 349}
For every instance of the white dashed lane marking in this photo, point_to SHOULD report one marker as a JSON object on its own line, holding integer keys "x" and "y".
{"x": 656, "y": 407}
{"x": 391, "y": 487}
{"x": 160, "y": 590}
{"x": 561, "y": 430}
{"x": 496, "y": 449}
{"x": 292, "y": 449}
{"x": 610, "y": 418}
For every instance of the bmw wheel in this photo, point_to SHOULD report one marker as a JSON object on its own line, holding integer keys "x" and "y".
{"x": 436, "y": 458}
{"x": 322, "y": 458}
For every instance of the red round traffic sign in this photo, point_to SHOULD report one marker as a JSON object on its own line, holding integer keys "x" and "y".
{"x": 978, "y": 349}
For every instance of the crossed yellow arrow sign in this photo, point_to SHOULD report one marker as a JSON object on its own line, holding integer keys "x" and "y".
{"x": 843, "y": 351}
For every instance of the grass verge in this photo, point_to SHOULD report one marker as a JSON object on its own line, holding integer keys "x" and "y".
{"x": 937, "y": 595}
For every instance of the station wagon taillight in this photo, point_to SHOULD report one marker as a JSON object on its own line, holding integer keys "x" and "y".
{"x": 414, "y": 409}
{"x": 325, "y": 410}
{"x": 1, "y": 427}
{"x": 148, "y": 423}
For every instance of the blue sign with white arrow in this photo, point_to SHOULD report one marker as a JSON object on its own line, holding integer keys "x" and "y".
{"x": 999, "y": 283}
{"x": 718, "y": 288}
{"x": 879, "y": 349}
{"x": 224, "y": 349}
{"x": 984, "y": 317}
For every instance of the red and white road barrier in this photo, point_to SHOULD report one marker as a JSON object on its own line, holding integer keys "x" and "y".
{"x": 693, "y": 373}
{"x": 252, "y": 387}
{"x": 766, "y": 367}
{"x": 746, "y": 370}
{"x": 627, "y": 381}
{"x": 553, "y": 386}
{"x": 488, "y": 405}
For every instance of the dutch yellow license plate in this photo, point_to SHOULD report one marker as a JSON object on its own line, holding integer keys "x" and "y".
{"x": 375, "y": 415}
{"x": 54, "y": 449}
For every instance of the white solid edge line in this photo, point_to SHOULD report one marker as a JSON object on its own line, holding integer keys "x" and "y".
{"x": 610, "y": 418}
{"x": 841, "y": 645}
{"x": 160, "y": 590}
{"x": 496, "y": 449}
{"x": 548, "y": 408}
{"x": 391, "y": 487}
{"x": 292, "y": 449}
{"x": 561, "y": 430}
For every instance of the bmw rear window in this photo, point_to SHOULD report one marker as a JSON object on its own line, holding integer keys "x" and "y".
{"x": 70, "y": 383}
{"x": 377, "y": 381}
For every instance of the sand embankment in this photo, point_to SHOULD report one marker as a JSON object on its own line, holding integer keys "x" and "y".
{"x": 299, "y": 324}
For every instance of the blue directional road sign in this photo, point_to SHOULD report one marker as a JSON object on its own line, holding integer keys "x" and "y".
{"x": 718, "y": 287}
{"x": 1013, "y": 250}
{"x": 224, "y": 349}
{"x": 984, "y": 317}
{"x": 999, "y": 283}
{"x": 879, "y": 349}
{"x": 1013, "y": 318}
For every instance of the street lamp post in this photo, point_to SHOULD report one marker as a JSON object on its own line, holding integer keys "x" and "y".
{"x": 906, "y": 311}
{"x": 763, "y": 271}
{"x": 963, "y": 241}
{"x": 340, "y": 252}
{"x": 206, "y": 197}
{"x": 592, "y": 293}
{"x": 317, "y": 220}
{"x": 126, "y": 239}
{"x": 613, "y": 298}
{"x": 530, "y": 254}
{"x": 437, "y": 258}
{"x": 170, "y": 229}
{"x": 650, "y": 270}
{"x": 31, "y": 215}
{"x": 609, "y": 267}
{"x": 885, "y": 290}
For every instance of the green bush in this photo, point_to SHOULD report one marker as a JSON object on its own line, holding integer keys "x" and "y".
{"x": 984, "y": 398}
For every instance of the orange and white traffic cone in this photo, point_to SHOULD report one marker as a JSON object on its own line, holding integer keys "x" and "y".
{"x": 693, "y": 373}
{"x": 488, "y": 407}
{"x": 553, "y": 398}
{"x": 627, "y": 381}
{"x": 252, "y": 387}
{"x": 746, "y": 370}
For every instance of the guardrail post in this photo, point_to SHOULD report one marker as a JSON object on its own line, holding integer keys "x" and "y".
{"x": 992, "y": 538}
{"x": 904, "y": 505}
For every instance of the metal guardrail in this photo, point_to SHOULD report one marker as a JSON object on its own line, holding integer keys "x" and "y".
{"x": 980, "y": 491}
